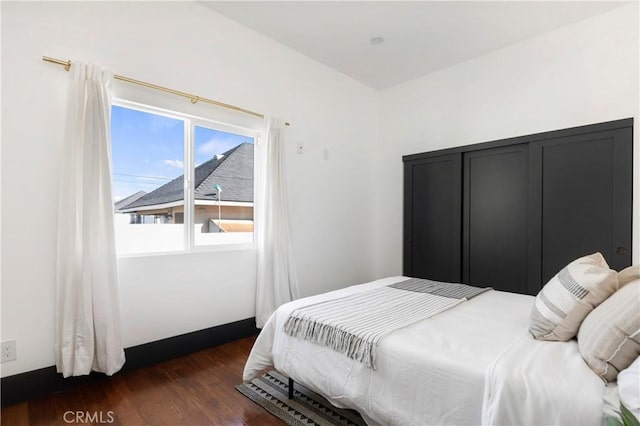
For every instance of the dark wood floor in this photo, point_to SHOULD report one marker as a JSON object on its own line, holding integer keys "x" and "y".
{"x": 197, "y": 389}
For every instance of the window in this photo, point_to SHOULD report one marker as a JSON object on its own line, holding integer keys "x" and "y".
{"x": 179, "y": 182}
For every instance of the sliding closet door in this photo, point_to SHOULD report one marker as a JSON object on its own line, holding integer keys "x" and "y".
{"x": 495, "y": 218}
{"x": 583, "y": 199}
{"x": 432, "y": 221}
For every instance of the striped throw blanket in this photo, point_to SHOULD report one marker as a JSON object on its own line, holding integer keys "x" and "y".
{"x": 354, "y": 325}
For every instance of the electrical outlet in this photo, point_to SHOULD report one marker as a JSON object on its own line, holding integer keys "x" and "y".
{"x": 8, "y": 351}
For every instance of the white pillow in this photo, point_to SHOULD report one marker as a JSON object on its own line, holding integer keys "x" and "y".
{"x": 629, "y": 387}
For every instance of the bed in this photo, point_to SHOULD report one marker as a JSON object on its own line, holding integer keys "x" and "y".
{"x": 475, "y": 363}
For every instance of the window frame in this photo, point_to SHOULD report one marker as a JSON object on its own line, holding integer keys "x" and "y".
{"x": 190, "y": 122}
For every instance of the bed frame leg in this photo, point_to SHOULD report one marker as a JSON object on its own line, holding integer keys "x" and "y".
{"x": 290, "y": 388}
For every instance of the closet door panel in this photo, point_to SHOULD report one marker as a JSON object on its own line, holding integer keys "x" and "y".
{"x": 495, "y": 218}
{"x": 432, "y": 218}
{"x": 585, "y": 191}
{"x": 511, "y": 213}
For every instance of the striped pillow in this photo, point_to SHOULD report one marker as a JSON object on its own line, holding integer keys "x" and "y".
{"x": 569, "y": 296}
{"x": 629, "y": 274}
{"x": 609, "y": 338}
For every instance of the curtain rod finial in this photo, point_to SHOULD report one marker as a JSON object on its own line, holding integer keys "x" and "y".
{"x": 65, "y": 64}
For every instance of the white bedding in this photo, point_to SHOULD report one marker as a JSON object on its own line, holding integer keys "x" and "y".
{"x": 542, "y": 383}
{"x": 433, "y": 372}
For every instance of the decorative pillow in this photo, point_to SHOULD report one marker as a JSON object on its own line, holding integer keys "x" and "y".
{"x": 609, "y": 338}
{"x": 629, "y": 274}
{"x": 569, "y": 296}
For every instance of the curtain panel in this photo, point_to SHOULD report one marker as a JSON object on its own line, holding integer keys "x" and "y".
{"x": 88, "y": 330}
{"x": 277, "y": 281}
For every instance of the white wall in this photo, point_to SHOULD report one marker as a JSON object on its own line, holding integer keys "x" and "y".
{"x": 581, "y": 74}
{"x": 190, "y": 48}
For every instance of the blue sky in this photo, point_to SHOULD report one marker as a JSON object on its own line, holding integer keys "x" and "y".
{"x": 148, "y": 149}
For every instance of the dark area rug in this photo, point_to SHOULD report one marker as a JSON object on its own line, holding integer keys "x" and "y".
{"x": 306, "y": 408}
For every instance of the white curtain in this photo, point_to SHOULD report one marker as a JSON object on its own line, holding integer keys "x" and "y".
{"x": 88, "y": 334}
{"x": 277, "y": 282}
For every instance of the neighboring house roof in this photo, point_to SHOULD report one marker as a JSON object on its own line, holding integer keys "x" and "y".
{"x": 233, "y": 171}
{"x": 128, "y": 200}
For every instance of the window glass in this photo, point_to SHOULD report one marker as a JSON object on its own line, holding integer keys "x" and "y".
{"x": 148, "y": 189}
{"x": 152, "y": 153}
{"x": 223, "y": 187}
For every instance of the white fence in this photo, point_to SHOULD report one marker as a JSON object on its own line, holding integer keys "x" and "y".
{"x": 154, "y": 238}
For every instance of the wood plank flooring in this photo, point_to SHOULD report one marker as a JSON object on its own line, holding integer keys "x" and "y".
{"x": 197, "y": 389}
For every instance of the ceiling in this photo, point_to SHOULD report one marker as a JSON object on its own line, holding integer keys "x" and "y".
{"x": 419, "y": 36}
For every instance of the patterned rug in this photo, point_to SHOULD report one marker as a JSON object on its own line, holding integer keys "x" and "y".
{"x": 306, "y": 408}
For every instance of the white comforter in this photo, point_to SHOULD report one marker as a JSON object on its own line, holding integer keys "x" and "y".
{"x": 472, "y": 364}
{"x": 542, "y": 383}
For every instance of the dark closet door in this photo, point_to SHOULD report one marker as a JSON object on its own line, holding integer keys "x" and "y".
{"x": 432, "y": 209}
{"x": 495, "y": 218}
{"x": 583, "y": 198}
